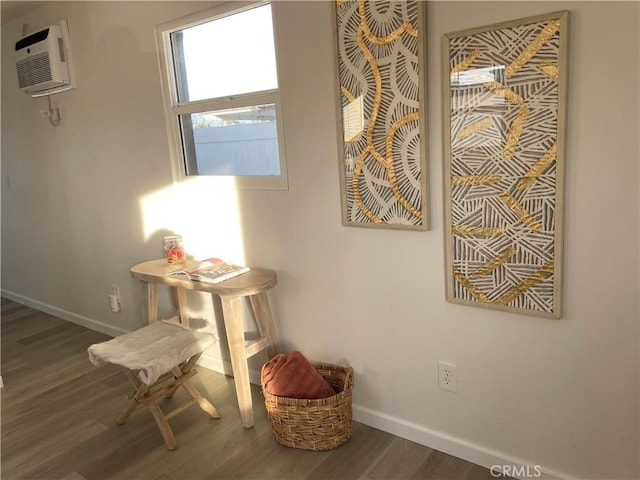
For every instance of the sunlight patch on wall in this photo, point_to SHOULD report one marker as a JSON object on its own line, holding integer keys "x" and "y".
{"x": 209, "y": 219}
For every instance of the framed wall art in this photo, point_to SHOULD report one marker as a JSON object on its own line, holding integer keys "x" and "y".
{"x": 504, "y": 116}
{"x": 381, "y": 63}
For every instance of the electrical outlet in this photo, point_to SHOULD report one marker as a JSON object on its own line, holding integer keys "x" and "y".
{"x": 447, "y": 376}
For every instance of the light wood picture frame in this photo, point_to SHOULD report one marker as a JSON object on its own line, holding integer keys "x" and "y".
{"x": 381, "y": 64}
{"x": 504, "y": 135}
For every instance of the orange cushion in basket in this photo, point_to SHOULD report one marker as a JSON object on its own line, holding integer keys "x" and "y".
{"x": 293, "y": 376}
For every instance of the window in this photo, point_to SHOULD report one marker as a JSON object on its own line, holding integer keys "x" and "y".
{"x": 221, "y": 97}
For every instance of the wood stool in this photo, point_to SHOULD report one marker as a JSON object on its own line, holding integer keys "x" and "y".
{"x": 157, "y": 359}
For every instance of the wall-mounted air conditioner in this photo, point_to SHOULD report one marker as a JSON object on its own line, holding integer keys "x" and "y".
{"x": 43, "y": 61}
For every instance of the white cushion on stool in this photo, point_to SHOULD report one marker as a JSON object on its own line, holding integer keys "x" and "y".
{"x": 152, "y": 350}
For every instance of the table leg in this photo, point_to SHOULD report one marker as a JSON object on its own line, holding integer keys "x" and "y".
{"x": 235, "y": 337}
{"x": 181, "y": 295}
{"x": 150, "y": 306}
{"x": 264, "y": 319}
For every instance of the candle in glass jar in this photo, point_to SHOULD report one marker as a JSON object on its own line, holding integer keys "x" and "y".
{"x": 173, "y": 249}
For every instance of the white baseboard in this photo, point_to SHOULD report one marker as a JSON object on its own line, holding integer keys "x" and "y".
{"x": 224, "y": 366}
{"x": 65, "y": 315}
{"x": 495, "y": 460}
{"x": 458, "y": 447}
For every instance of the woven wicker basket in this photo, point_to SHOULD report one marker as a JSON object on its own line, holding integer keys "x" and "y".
{"x": 320, "y": 424}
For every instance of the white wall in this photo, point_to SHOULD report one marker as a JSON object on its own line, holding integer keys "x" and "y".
{"x": 84, "y": 201}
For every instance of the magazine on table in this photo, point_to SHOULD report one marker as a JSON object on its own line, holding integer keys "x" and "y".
{"x": 213, "y": 270}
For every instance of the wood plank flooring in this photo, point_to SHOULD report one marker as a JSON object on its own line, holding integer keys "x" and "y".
{"x": 58, "y": 423}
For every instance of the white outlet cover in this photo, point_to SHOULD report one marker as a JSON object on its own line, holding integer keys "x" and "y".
{"x": 447, "y": 376}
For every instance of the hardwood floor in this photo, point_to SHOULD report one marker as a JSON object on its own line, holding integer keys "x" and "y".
{"x": 58, "y": 423}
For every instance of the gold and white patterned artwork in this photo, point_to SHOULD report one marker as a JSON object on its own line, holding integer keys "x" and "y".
{"x": 504, "y": 164}
{"x": 382, "y": 157}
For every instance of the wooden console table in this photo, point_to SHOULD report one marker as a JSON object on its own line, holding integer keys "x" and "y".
{"x": 253, "y": 284}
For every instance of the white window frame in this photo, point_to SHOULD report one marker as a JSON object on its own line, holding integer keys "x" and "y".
{"x": 173, "y": 108}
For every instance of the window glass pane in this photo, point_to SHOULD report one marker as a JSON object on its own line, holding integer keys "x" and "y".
{"x": 238, "y": 141}
{"x": 227, "y": 56}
